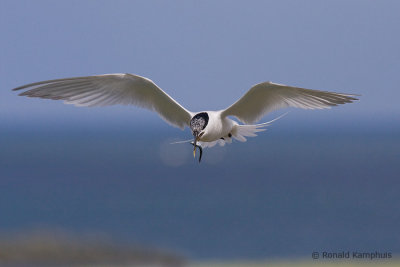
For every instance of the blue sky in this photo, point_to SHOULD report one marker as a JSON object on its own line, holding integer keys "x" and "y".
{"x": 205, "y": 54}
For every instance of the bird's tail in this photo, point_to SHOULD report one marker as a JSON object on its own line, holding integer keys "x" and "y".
{"x": 240, "y": 132}
{"x": 181, "y": 142}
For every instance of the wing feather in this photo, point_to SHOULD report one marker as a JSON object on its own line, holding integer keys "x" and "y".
{"x": 111, "y": 89}
{"x": 267, "y": 96}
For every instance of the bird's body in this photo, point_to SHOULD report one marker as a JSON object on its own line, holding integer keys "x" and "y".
{"x": 208, "y": 127}
{"x": 217, "y": 127}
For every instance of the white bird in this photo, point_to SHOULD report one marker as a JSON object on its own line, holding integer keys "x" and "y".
{"x": 208, "y": 127}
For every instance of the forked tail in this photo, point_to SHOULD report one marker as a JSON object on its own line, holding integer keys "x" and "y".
{"x": 240, "y": 132}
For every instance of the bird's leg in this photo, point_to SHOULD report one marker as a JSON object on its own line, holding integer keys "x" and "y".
{"x": 200, "y": 149}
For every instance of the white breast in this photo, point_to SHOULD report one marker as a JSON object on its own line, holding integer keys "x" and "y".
{"x": 217, "y": 127}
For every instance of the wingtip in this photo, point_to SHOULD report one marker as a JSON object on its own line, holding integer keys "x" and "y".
{"x": 26, "y": 93}
{"x": 18, "y": 88}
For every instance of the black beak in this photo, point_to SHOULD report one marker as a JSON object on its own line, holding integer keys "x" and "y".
{"x": 200, "y": 149}
{"x": 197, "y": 136}
{"x": 194, "y": 146}
{"x": 194, "y": 143}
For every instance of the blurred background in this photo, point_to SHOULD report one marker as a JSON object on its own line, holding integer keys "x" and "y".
{"x": 104, "y": 185}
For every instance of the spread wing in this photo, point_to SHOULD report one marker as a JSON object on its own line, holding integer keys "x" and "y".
{"x": 111, "y": 89}
{"x": 266, "y": 97}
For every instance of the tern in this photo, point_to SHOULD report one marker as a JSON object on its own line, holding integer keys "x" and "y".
{"x": 208, "y": 127}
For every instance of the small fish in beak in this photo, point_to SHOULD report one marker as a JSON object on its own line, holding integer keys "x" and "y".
{"x": 194, "y": 150}
{"x": 194, "y": 143}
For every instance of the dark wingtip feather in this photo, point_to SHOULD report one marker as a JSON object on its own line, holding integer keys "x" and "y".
{"x": 19, "y": 88}
{"x": 26, "y": 93}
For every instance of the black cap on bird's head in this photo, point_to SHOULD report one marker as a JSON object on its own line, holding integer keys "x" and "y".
{"x": 197, "y": 125}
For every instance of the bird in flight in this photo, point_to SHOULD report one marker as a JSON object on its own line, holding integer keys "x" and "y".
{"x": 208, "y": 127}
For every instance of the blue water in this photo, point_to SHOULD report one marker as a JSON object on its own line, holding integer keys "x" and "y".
{"x": 278, "y": 195}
